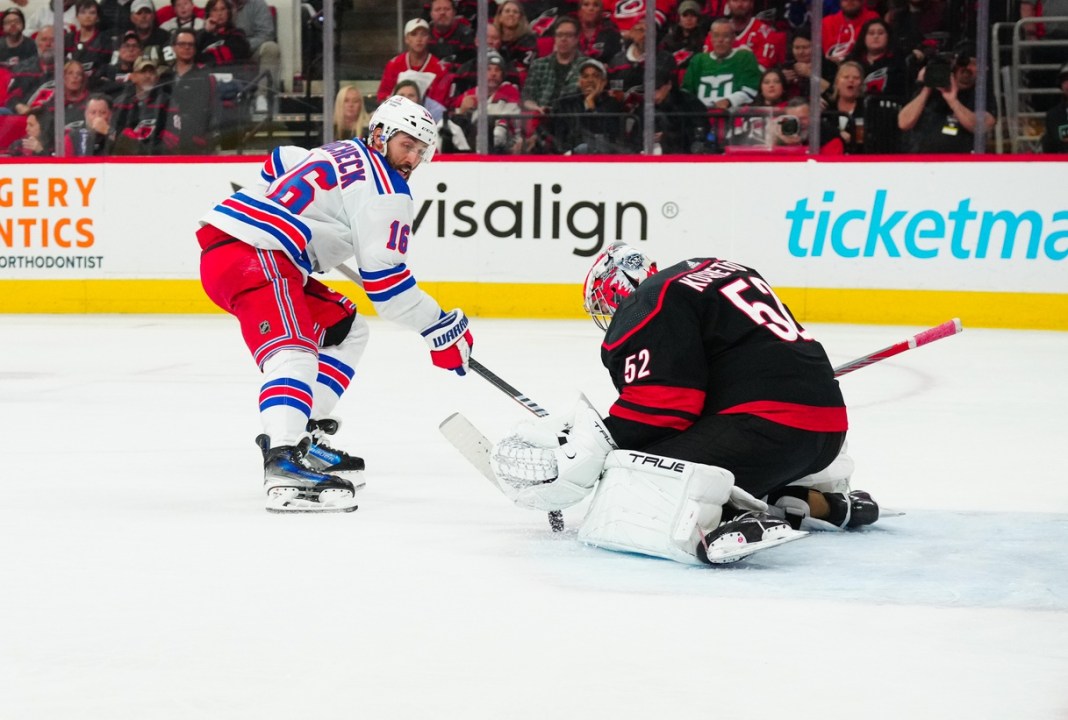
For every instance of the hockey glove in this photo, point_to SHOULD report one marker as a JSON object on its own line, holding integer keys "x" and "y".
{"x": 549, "y": 471}
{"x": 450, "y": 341}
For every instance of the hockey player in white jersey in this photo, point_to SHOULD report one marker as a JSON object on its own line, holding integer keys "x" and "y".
{"x": 347, "y": 200}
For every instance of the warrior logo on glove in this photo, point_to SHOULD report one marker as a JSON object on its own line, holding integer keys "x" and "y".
{"x": 450, "y": 341}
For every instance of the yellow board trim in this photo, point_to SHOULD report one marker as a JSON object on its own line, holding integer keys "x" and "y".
{"x": 1040, "y": 311}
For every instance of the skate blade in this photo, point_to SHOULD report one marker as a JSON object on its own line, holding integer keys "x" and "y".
{"x": 281, "y": 502}
{"x": 724, "y": 554}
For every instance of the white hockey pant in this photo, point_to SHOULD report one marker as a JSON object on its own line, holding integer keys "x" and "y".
{"x": 659, "y": 506}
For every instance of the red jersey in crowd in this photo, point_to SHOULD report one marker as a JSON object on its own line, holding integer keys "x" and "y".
{"x": 840, "y": 33}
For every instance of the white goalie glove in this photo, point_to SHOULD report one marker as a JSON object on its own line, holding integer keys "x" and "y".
{"x": 548, "y": 467}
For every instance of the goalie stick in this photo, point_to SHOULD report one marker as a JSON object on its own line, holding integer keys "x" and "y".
{"x": 946, "y": 329}
{"x": 463, "y": 439}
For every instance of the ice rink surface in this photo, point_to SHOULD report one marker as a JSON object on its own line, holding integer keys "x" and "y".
{"x": 141, "y": 577}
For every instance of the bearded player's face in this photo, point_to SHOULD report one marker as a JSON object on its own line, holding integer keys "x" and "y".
{"x": 402, "y": 152}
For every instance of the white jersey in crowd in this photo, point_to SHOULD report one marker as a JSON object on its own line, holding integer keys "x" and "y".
{"x": 324, "y": 206}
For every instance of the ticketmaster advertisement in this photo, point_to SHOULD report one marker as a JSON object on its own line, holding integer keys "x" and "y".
{"x": 844, "y": 241}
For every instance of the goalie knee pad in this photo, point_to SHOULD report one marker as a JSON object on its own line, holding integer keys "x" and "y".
{"x": 654, "y": 505}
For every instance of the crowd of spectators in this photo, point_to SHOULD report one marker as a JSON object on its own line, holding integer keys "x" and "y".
{"x": 579, "y": 70}
{"x": 137, "y": 79}
{"x": 564, "y": 76}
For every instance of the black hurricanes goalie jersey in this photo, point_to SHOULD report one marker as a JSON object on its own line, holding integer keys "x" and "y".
{"x": 709, "y": 336}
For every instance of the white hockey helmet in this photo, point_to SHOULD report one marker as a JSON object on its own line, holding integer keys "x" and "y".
{"x": 398, "y": 113}
{"x": 616, "y": 273}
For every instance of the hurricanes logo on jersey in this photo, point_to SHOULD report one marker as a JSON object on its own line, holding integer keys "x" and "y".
{"x": 265, "y": 327}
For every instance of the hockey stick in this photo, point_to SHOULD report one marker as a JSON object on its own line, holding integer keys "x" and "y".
{"x": 946, "y": 329}
{"x": 556, "y": 518}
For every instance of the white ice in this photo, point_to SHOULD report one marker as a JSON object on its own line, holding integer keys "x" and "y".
{"x": 141, "y": 578}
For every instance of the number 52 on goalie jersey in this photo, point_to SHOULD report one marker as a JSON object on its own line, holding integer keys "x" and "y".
{"x": 707, "y": 337}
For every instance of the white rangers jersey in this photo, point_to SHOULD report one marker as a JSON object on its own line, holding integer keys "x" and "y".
{"x": 324, "y": 206}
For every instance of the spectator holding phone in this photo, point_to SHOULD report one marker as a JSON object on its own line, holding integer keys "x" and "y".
{"x": 941, "y": 117}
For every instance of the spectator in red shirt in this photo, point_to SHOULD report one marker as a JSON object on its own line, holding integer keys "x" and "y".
{"x": 767, "y": 44}
{"x": 415, "y": 64}
{"x": 841, "y": 30}
{"x": 503, "y": 100}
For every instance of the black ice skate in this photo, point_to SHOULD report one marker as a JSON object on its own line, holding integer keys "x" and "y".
{"x": 292, "y": 486}
{"x": 325, "y": 459}
{"x": 744, "y": 535}
{"x": 800, "y": 506}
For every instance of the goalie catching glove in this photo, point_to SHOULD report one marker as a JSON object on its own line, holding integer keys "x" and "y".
{"x": 450, "y": 341}
{"x": 549, "y": 469}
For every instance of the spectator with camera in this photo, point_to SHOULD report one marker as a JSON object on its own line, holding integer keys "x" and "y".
{"x": 790, "y": 131}
{"x": 916, "y": 27}
{"x": 941, "y": 117}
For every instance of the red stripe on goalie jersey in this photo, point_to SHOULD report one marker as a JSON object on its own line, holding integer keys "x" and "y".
{"x": 659, "y": 305}
{"x": 802, "y": 417}
{"x": 659, "y": 405}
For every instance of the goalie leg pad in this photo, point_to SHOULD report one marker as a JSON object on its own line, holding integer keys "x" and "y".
{"x": 654, "y": 505}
